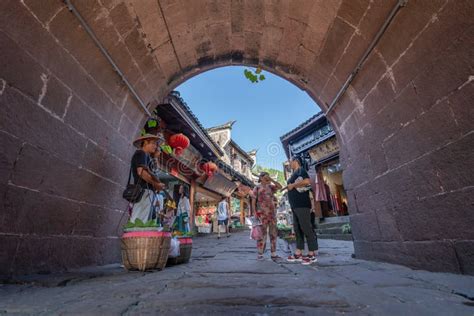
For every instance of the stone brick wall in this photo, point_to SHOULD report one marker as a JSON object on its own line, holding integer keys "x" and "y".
{"x": 66, "y": 124}
{"x": 404, "y": 125}
{"x": 406, "y": 128}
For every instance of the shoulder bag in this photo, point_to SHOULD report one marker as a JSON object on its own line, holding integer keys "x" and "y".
{"x": 133, "y": 192}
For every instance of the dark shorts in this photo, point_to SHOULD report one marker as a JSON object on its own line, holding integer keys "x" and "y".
{"x": 223, "y": 222}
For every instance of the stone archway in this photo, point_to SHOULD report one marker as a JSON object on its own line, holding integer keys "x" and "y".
{"x": 404, "y": 122}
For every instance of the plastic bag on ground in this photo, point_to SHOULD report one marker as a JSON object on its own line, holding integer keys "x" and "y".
{"x": 174, "y": 248}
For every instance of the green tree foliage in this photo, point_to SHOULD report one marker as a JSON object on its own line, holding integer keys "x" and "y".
{"x": 274, "y": 173}
{"x": 254, "y": 76}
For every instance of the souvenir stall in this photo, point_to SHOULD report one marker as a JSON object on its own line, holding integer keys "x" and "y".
{"x": 209, "y": 192}
{"x": 150, "y": 245}
{"x": 206, "y": 207}
{"x": 329, "y": 189}
{"x": 187, "y": 158}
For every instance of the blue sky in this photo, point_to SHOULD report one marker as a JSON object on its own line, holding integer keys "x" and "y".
{"x": 264, "y": 111}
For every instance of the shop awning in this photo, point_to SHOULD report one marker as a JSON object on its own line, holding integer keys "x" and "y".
{"x": 179, "y": 118}
{"x": 326, "y": 159}
{"x": 220, "y": 184}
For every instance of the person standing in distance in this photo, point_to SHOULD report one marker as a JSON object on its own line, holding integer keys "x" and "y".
{"x": 298, "y": 194}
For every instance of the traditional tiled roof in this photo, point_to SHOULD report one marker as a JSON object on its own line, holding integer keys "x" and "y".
{"x": 184, "y": 105}
{"x": 303, "y": 125}
{"x": 237, "y": 175}
{"x": 308, "y": 134}
{"x": 223, "y": 126}
{"x": 232, "y": 142}
{"x": 243, "y": 152}
{"x": 221, "y": 164}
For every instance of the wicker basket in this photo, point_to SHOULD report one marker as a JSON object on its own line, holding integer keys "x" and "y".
{"x": 185, "y": 249}
{"x": 164, "y": 251}
{"x": 143, "y": 250}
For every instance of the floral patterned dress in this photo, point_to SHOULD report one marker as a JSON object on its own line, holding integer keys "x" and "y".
{"x": 266, "y": 212}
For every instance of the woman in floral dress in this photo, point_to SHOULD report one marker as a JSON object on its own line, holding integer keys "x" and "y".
{"x": 264, "y": 207}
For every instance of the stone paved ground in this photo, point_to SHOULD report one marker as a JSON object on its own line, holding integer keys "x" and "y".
{"x": 224, "y": 277}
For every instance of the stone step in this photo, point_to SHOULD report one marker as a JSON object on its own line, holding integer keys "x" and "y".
{"x": 329, "y": 225}
{"x": 336, "y": 219}
{"x": 347, "y": 237}
{"x": 334, "y": 230}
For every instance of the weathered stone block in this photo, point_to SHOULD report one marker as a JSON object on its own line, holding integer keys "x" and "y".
{"x": 98, "y": 221}
{"x": 72, "y": 36}
{"x": 46, "y": 9}
{"x": 436, "y": 256}
{"x": 137, "y": 48}
{"x": 25, "y": 119}
{"x": 31, "y": 212}
{"x": 10, "y": 149}
{"x": 373, "y": 19}
{"x": 449, "y": 26}
{"x": 460, "y": 103}
{"x": 449, "y": 72}
{"x": 386, "y": 218}
{"x": 19, "y": 69}
{"x": 441, "y": 173}
{"x": 465, "y": 253}
{"x": 446, "y": 216}
{"x": 57, "y": 96}
{"x": 25, "y": 30}
{"x": 352, "y": 11}
{"x": 38, "y": 169}
{"x": 8, "y": 252}
{"x": 372, "y": 70}
{"x": 376, "y": 102}
{"x": 374, "y": 195}
{"x": 357, "y": 46}
{"x": 345, "y": 107}
{"x": 411, "y": 19}
{"x": 127, "y": 128}
{"x": 365, "y": 227}
{"x": 426, "y": 132}
{"x": 337, "y": 38}
{"x": 84, "y": 120}
{"x": 122, "y": 19}
{"x": 98, "y": 160}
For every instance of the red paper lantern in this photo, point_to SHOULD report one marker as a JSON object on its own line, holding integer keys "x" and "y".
{"x": 209, "y": 168}
{"x": 179, "y": 142}
{"x": 174, "y": 171}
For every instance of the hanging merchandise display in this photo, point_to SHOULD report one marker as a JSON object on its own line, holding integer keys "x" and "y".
{"x": 204, "y": 216}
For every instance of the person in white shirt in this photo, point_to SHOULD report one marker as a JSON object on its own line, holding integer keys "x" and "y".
{"x": 223, "y": 217}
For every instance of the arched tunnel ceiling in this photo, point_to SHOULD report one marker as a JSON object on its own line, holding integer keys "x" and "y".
{"x": 314, "y": 44}
{"x": 279, "y": 34}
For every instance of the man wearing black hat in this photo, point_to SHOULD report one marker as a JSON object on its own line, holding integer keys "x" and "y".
{"x": 298, "y": 194}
